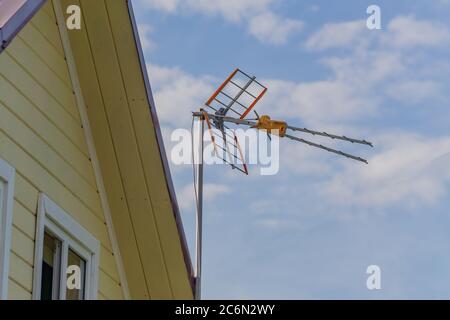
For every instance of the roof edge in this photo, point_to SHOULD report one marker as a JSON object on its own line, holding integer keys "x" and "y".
{"x": 18, "y": 21}
{"x": 162, "y": 151}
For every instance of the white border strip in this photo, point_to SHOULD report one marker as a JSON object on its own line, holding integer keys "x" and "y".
{"x": 7, "y": 174}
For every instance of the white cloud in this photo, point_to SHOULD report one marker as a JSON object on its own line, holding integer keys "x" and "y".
{"x": 232, "y": 10}
{"x": 329, "y": 101}
{"x": 318, "y": 103}
{"x": 335, "y": 35}
{"x": 303, "y": 160}
{"x": 164, "y": 5}
{"x": 402, "y": 32}
{"x": 407, "y": 32}
{"x": 314, "y": 8}
{"x": 145, "y": 33}
{"x": 211, "y": 191}
{"x": 177, "y": 93}
{"x": 366, "y": 68}
{"x": 407, "y": 170}
{"x": 272, "y": 29}
{"x": 261, "y": 22}
{"x": 278, "y": 224}
{"x": 414, "y": 91}
{"x": 373, "y": 66}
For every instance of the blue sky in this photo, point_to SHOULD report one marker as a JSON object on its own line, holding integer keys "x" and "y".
{"x": 311, "y": 231}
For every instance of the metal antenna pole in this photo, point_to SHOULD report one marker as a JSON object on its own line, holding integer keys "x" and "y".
{"x": 199, "y": 222}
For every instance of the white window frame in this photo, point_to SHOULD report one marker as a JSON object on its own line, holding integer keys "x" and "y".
{"x": 7, "y": 174}
{"x": 56, "y": 221}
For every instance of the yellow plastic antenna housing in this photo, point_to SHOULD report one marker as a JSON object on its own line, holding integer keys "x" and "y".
{"x": 272, "y": 126}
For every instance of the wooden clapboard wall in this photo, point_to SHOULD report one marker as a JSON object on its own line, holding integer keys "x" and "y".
{"x": 41, "y": 135}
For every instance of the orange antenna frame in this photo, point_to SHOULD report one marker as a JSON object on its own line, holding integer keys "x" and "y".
{"x": 238, "y": 94}
{"x": 225, "y": 145}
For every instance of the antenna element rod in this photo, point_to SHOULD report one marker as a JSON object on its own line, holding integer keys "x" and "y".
{"x": 332, "y": 136}
{"x": 326, "y": 148}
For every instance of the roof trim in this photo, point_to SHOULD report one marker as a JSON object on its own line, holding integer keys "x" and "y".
{"x": 162, "y": 151}
{"x": 18, "y": 21}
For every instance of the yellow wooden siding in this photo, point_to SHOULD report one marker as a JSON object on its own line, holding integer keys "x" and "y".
{"x": 21, "y": 272}
{"x": 155, "y": 181}
{"x": 46, "y": 157}
{"x": 23, "y": 53}
{"x": 45, "y": 20}
{"x": 114, "y": 92}
{"x": 24, "y": 109}
{"x": 49, "y": 55}
{"x": 110, "y": 171}
{"x": 130, "y": 165}
{"x": 48, "y": 9}
{"x": 38, "y": 97}
{"x": 110, "y": 288}
{"x": 41, "y": 135}
{"x": 17, "y": 292}
{"x": 24, "y": 220}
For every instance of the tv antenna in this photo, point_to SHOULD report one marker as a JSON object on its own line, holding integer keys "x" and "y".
{"x": 227, "y": 108}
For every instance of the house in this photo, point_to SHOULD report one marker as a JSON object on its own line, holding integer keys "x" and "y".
{"x": 87, "y": 205}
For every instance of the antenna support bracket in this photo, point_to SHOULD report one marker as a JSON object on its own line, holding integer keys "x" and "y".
{"x": 271, "y": 126}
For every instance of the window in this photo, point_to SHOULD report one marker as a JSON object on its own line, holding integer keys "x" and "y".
{"x": 6, "y": 203}
{"x": 66, "y": 256}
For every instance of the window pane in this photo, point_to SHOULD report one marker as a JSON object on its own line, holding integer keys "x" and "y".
{"x": 50, "y": 268}
{"x": 76, "y": 276}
